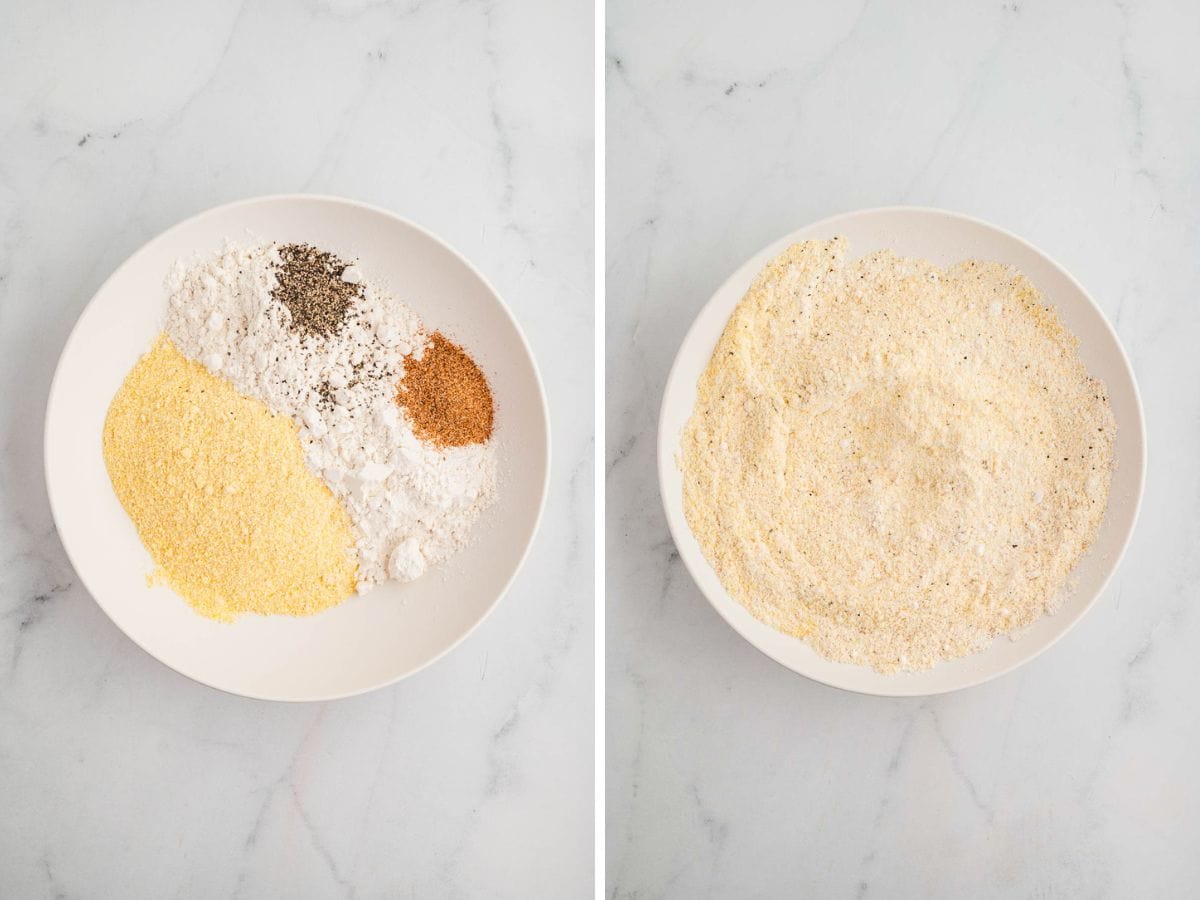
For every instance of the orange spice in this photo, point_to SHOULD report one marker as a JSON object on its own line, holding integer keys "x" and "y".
{"x": 446, "y": 396}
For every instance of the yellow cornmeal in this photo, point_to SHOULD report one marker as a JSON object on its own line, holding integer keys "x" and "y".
{"x": 217, "y": 487}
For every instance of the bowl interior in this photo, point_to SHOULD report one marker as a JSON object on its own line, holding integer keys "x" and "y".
{"x": 943, "y": 238}
{"x": 367, "y": 641}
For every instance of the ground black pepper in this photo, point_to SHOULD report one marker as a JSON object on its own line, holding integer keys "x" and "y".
{"x": 309, "y": 283}
{"x": 325, "y": 395}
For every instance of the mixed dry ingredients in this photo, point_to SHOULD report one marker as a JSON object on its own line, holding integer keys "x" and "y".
{"x": 893, "y": 461}
{"x": 296, "y": 434}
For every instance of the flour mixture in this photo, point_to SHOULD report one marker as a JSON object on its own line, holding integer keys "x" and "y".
{"x": 308, "y": 335}
{"x": 892, "y": 461}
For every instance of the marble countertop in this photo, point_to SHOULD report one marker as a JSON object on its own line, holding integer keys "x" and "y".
{"x": 119, "y": 777}
{"x": 733, "y": 124}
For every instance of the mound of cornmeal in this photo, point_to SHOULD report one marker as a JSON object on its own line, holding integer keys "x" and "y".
{"x": 218, "y": 489}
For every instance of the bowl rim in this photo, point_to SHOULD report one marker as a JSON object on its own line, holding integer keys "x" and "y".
{"x": 163, "y": 235}
{"x": 667, "y": 443}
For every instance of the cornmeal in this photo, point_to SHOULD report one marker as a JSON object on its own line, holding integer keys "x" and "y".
{"x": 892, "y": 461}
{"x": 220, "y": 495}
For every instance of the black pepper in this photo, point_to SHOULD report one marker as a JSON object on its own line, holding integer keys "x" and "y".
{"x": 325, "y": 395}
{"x": 309, "y": 283}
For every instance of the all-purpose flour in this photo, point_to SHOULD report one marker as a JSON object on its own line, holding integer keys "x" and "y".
{"x": 412, "y": 505}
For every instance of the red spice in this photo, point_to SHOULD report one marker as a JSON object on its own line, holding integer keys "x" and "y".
{"x": 446, "y": 396}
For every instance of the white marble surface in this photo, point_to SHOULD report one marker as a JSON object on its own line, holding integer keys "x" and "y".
{"x": 1077, "y": 126}
{"x": 119, "y": 778}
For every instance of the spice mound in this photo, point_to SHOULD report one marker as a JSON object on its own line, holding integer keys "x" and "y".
{"x": 892, "y": 461}
{"x": 446, "y": 395}
{"x": 220, "y": 494}
{"x": 311, "y": 283}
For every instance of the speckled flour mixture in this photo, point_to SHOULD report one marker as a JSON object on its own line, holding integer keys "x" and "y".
{"x": 895, "y": 462}
{"x": 307, "y": 335}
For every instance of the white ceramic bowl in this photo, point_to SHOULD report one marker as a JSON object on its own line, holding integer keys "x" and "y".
{"x": 943, "y": 238}
{"x": 366, "y": 642}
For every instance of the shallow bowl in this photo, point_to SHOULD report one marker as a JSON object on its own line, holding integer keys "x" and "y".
{"x": 943, "y": 238}
{"x": 368, "y": 641}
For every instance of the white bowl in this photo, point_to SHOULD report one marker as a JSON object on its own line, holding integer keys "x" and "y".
{"x": 943, "y": 238}
{"x": 366, "y": 642}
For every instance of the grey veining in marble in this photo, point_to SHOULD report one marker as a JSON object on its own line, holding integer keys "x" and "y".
{"x": 1076, "y": 125}
{"x": 119, "y": 778}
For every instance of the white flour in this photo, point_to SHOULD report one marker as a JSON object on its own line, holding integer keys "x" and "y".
{"x": 412, "y": 504}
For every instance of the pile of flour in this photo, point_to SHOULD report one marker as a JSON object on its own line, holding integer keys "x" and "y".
{"x": 412, "y": 504}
